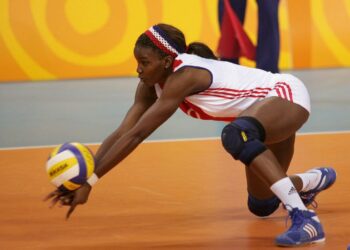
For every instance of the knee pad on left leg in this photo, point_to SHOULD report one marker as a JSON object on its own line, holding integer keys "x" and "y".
{"x": 263, "y": 208}
{"x": 243, "y": 139}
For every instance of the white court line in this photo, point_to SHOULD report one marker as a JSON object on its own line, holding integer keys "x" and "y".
{"x": 174, "y": 140}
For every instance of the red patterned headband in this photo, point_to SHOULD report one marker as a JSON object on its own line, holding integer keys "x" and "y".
{"x": 160, "y": 39}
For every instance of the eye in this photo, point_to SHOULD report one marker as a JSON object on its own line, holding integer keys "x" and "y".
{"x": 144, "y": 63}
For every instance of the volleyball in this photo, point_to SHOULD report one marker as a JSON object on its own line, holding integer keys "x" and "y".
{"x": 70, "y": 165}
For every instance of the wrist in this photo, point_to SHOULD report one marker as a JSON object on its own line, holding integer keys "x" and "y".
{"x": 92, "y": 179}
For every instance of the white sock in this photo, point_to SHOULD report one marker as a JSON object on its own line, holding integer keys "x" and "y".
{"x": 310, "y": 179}
{"x": 287, "y": 193}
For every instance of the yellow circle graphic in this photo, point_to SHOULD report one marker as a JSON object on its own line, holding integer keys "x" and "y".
{"x": 87, "y": 16}
{"x": 27, "y": 64}
{"x": 339, "y": 50}
{"x": 137, "y": 22}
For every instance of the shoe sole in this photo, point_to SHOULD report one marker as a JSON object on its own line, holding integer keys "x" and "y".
{"x": 319, "y": 241}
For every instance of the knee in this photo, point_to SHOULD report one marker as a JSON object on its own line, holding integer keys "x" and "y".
{"x": 263, "y": 208}
{"x": 243, "y": 139}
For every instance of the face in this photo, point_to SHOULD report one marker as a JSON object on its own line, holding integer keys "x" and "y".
{"x": 151, "y": 68}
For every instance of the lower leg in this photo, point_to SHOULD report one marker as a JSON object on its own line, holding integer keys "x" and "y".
{"x": 267, "y": 167}
{"x": 313, "y": 181}
{"x": 284, "y": 152}
{"x": 306, "y": 227}
{"x": 306, "y": 181}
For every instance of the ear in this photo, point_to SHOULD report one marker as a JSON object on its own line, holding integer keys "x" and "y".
{"x": 168, "y": 61}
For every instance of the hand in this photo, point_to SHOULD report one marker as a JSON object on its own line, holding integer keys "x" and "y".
{"x": 72, "y": 199}
{"x": 64, "y": 198}
{"x": 80, "y": 196}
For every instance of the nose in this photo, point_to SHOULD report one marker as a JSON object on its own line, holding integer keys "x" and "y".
{"x": 138, "y": 69}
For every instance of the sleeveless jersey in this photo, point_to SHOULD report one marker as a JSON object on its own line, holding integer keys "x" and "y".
{"x": 233, "y": 88}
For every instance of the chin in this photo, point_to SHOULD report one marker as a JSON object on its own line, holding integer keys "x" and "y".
{"x": 149, "y": 83}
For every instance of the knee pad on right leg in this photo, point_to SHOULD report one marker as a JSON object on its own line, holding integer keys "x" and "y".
{"x": 263, "y": 208}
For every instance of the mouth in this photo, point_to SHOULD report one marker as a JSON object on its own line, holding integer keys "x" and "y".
{"x": 145, "y": 80}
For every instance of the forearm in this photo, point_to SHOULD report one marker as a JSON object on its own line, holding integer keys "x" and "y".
{"x": 118, "y": 151}
{"x": 156, "y": 115}
{"x": 106, "y": 145}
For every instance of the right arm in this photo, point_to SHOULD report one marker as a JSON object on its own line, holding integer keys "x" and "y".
{"x": 145, "y": 96}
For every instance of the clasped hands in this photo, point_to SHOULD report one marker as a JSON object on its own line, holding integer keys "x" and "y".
{"x": 72, "y": 199}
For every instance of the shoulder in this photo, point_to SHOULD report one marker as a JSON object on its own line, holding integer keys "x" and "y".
{"x": 183, "y": 60}
{"x": 191, "y": 63}
{"x": 189, "y": 80}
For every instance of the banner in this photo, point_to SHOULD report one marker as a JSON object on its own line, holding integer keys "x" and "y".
{"x": 65, "y": 39}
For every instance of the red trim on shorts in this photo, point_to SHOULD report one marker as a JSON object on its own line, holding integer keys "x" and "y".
{"x": 284, "y": 91}
{"x": 289, "y": 90}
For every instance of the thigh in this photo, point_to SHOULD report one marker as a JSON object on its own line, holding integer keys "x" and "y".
{"x": 280, "y": 118}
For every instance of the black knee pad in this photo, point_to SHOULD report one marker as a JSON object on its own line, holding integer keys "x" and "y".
{"x": 263, "y": 208}
{"x": 243, "y": 139}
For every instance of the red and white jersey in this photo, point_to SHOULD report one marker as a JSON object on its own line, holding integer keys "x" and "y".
{"x": 234, "y": 88}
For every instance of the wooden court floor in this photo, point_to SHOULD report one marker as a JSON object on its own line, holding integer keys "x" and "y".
{"x": 167, "y": 195}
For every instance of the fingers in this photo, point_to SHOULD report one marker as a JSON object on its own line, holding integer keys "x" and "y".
{"x": 54, "y": 201}
{"x": 66, "y": 200}
{"x": 52, "y": 194}
{"x": 71, "y": 198}
{"x": 71, "y": 209}
{"x": 55, "y": 196}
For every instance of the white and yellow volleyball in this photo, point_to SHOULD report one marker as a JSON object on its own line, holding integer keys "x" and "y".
{"x": 70, "y": 165}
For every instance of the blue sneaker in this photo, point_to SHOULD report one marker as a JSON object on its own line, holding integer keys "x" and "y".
{"x": 327, "y": 179}
{"x": 305, "y": 229}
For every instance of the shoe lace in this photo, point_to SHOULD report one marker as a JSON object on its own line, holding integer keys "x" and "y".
{"x": 295, "y": 215}
{"x": 309, "y": 197}
{"x": 314, "y": 204}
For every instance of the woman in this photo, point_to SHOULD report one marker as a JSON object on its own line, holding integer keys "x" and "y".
{"x": 264, "y": 110}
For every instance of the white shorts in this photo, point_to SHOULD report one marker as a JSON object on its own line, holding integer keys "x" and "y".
{"x": 292, "y": 89}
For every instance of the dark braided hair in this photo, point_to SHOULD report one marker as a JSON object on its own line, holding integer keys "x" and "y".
{"x": 201, "y": 49}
